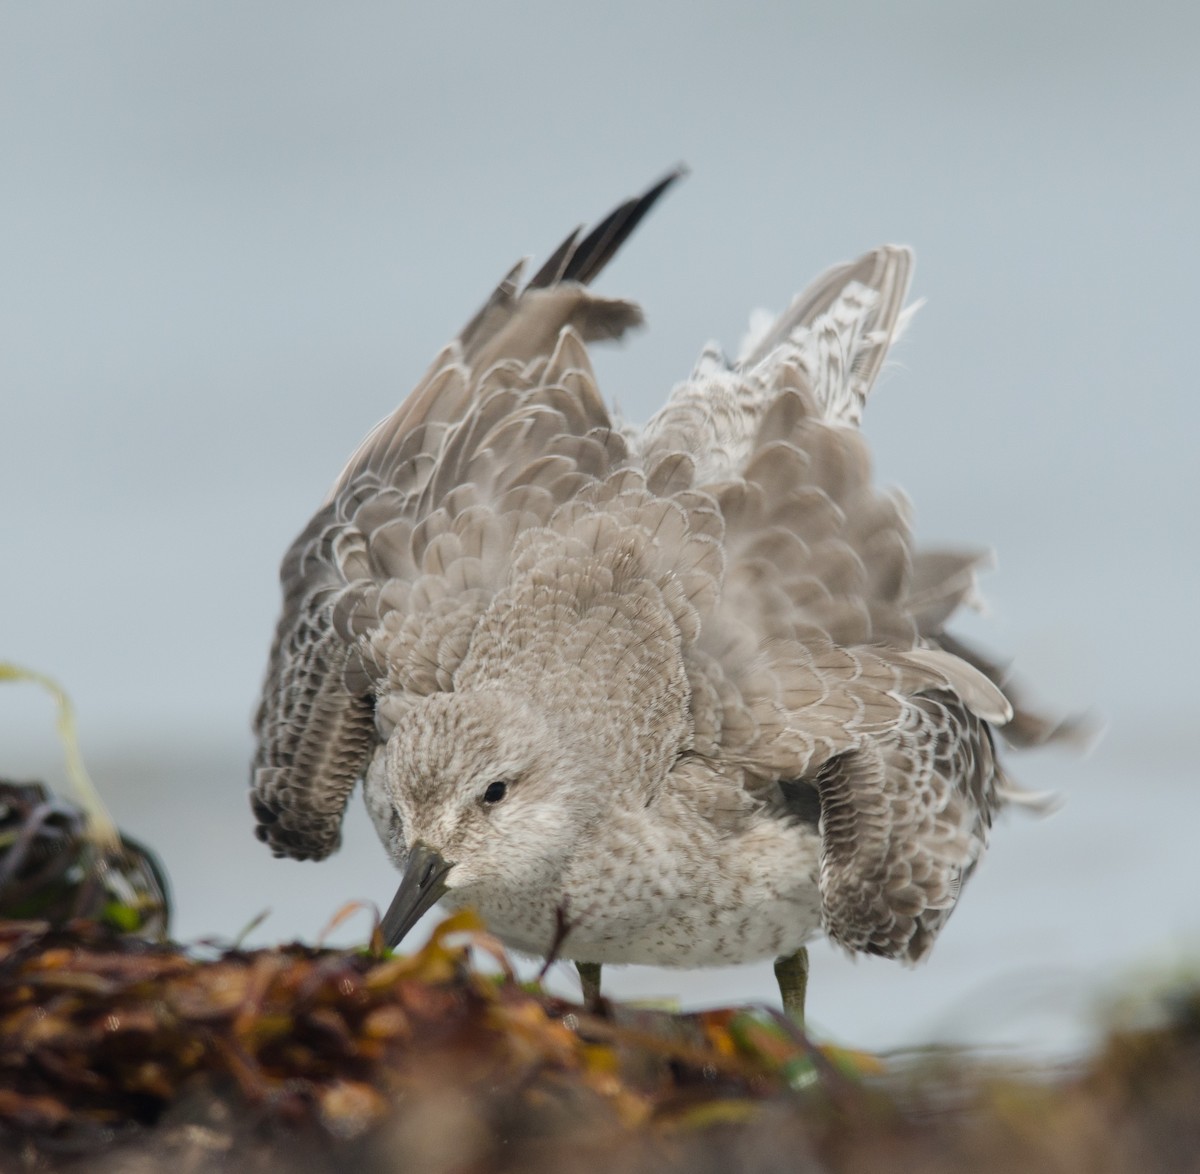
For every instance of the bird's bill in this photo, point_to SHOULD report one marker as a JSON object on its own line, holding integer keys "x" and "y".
{"x": 424, "y": 881}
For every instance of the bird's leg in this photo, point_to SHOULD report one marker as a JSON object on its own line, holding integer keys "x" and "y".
{"x": 589, "y": 976}
{"x": 791, "y": 973}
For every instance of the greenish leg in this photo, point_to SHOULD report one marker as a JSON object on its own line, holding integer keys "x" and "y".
{"x": 589, "y": 976}
{"x": 792, "y": 975}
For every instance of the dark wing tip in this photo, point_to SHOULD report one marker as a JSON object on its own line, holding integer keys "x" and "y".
{"x": 292, "y": 833}
{"x": 582, "y": 260}
{"x": 551, "y": 272}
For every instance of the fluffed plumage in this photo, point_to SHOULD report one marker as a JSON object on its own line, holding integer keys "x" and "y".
{"x": 703, "y": 659}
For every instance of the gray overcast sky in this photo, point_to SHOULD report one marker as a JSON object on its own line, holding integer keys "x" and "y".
{"x": 233, "y": 235}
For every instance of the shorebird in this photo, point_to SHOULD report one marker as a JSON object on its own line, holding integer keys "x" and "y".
{"x": 680, "y": 695}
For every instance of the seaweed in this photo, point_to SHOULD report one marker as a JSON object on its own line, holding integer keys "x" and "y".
{"x": 61, "y": 859}
{"x": 117, "y": 1048}
{"x": 123, "y": 1051}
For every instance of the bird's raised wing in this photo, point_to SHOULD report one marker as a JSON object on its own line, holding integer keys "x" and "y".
{"x": 382, "y": 587}
{"x": 823, "y": 669}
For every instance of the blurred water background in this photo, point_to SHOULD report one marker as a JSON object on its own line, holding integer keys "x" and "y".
{"x": 233, "y": 235}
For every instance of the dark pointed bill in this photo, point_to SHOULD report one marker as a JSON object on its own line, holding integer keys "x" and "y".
{"x": 424, "y": 881}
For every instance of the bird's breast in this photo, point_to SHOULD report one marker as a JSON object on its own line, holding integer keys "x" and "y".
{"x": 669, "y": 896}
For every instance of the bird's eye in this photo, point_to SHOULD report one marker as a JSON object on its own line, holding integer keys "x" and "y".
{"x": 495, "y": 792}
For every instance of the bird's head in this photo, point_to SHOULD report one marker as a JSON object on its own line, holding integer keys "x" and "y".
{"x": 477, "y": 790}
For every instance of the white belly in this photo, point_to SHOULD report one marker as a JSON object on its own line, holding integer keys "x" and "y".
{"x": 668, "y": 901}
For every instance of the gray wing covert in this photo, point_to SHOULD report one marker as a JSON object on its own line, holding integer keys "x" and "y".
{"x": 815, "y": 641}
{"x": 824, "y": 672}
{"x": 383, "y": 585}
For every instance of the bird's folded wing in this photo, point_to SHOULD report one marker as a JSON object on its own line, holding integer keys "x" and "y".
{"x": 904, "y": 821}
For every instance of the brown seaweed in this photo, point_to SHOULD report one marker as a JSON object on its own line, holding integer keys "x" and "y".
{"x": 115, "y": 1048}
